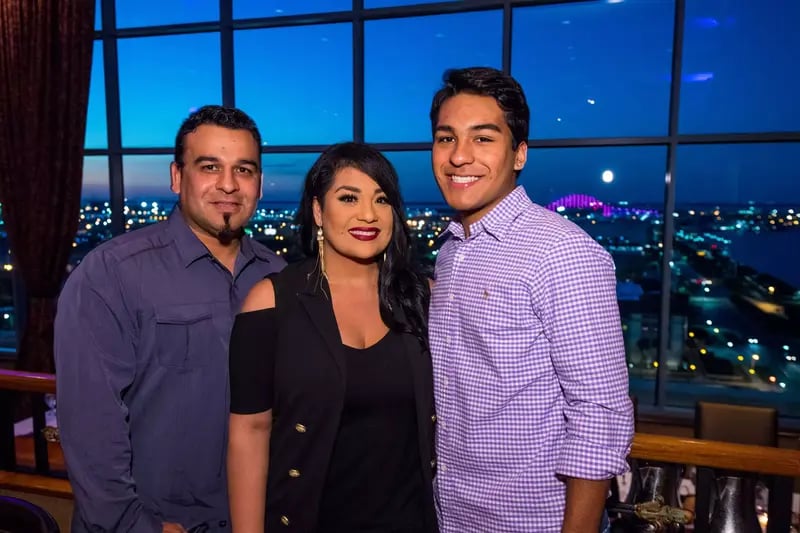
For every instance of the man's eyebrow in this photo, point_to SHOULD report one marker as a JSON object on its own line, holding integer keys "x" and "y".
{"x": 206, "y": 159}
{"x": 213, "y": 159}
{"x": 477, "y": 127}
{"x": 487, "y": 126}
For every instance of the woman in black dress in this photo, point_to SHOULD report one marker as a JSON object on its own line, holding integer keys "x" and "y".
{"x": 331, "y": 426}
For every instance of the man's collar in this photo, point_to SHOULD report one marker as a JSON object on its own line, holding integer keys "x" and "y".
{"x": 190, "y": 248}
{"x": 497, "y": 221}
{"x": 248, "y": 250}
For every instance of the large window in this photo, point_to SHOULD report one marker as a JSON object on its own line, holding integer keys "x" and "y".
{"x": 283, "y": 177}
{"x": 148, "y": 197}
{"x": 94, "y": 219}
{"x": 596, "y": 69}
{"x": 96, "y": 132}
{"x": 739, "y": 68}
{"x": 394, "y": 3}
{"x": 608, "y": 149}
{"x": 737, "y": 232}
{"x": 417, "y": 183}
{"x": 162, "y": 80}
{"x": 243, "y": 9}
{"x": 133, "y": 13}
{"x": 273, "y": 222}
{"x": 8, "y": 328}
{"x": 404, "y": 60}
{"x": 297, "y": 83}
{"x": 615, "y": 194}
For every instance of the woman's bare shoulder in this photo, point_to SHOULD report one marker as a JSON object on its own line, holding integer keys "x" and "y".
{"x": 261, "y": 296}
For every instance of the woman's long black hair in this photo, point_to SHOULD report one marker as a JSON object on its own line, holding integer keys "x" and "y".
{"x": 400, "y": 283}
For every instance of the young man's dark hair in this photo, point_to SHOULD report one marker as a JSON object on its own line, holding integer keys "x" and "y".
{"x": 215, "y": 115}
{"x": 485, "y": 81}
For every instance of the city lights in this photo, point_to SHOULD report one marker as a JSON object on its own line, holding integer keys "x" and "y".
{"x": 698, "y": 263}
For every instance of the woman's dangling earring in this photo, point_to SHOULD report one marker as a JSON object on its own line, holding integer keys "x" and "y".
{"x": 384, "y": 256}
{"x": 321, "y": 251}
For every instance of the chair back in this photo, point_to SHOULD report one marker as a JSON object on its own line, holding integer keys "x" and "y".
{"x": 20, "y": 516}
{"x": 738, "y": 424}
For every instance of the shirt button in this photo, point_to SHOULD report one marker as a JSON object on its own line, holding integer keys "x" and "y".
{"x": 442, "y": 468}
{"x": 452, "y": 297}
{"x": 294, "y": 473}
{"x": 300, "y": 428}
{"x": 285, "y": 520}
{"x": 447, "y": 339}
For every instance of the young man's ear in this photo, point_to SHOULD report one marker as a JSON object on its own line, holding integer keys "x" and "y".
{"x": 520, "y": 156}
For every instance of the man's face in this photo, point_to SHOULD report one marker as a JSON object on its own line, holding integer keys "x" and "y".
{"x": 473, "y": 160}
{"x": 220, "y": 181}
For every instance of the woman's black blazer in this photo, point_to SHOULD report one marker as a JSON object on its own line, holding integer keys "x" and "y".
{"x": 309, "y": 390}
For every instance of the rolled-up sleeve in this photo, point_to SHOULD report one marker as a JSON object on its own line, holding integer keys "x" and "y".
{"x": 589, "y": 359}
{"x": 95, "y": 363}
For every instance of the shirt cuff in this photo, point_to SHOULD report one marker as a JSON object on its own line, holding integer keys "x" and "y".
{"x": 583, "y": 459}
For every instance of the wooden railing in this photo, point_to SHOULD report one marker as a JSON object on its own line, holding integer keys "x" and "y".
{"x": 35, "y": 484}
{"x": 778, "y": 467}
{"x": 27, "y": 382}
{"x": 713, "y": 454}
{"x": 38, "y": 477}
{"x": 782, "y": 465}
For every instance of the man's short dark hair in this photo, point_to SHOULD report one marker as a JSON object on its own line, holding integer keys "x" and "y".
{"x": 215, "y": 115}
{"x": 485, "y": 81}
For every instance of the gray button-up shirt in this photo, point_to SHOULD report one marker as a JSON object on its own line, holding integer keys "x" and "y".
{"x": 141, "y": 349}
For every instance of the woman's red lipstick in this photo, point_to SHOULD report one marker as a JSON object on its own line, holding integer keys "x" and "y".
{"x": 365, "y": 234}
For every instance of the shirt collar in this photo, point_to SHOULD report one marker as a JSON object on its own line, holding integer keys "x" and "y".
{"x": 497, "y": 221}
{"x": 191, "y": 248}
{"x": 248, "y": 251}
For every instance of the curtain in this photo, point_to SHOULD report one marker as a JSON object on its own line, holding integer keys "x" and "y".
{"x": 45, "y": 66}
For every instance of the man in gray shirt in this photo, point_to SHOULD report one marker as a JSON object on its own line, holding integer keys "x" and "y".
{"x": 141, "y": 343}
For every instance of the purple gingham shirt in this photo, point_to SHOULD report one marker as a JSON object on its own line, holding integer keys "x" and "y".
{"x": 529, "y": 369}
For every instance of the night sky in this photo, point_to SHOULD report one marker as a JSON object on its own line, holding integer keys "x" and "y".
{"x": 594, "y": 69}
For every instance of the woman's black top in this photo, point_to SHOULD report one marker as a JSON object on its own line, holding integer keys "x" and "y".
{"x": 374, "y": 482}
{"x": 352, "y": 430}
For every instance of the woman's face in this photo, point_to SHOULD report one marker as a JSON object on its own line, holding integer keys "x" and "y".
{"x": 357, "y": 219}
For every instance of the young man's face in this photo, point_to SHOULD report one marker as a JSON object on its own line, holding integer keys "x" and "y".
{"x": 473, "y": 159}
{"x": 220, "y": 181}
